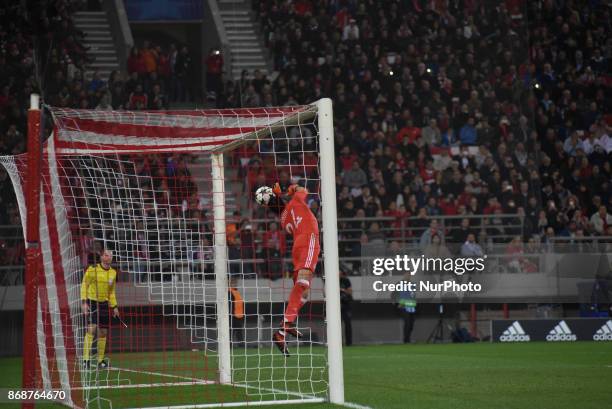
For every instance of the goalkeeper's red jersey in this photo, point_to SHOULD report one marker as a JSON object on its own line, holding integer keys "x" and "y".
{"x": 298, "y": 220}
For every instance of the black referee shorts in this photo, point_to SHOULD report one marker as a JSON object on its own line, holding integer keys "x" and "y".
{"x": 99, "y": 313}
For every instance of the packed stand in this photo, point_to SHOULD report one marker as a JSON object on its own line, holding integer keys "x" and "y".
{"x": 453, "y": 109}
{"x": 155, "y": 77}
{"x": 42, "y": 35}
{"x": 42, "y": 51}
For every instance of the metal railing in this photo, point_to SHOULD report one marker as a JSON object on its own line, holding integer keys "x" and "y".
{"x": 392, "y": 227}
{"x": 499, "y": 227}
{"x": 11, "y": 275}
{"x": 586, "y": 244}
{"x": 11, "y": 232}
{"x": 405, "y": 232}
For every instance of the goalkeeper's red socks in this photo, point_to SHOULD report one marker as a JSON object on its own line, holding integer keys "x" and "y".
{"x": 296, "y": 301}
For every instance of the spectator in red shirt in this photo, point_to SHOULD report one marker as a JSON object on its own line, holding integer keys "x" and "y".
{"x": 253, "y": 172}
{"x": 428, "y": 173}
{"x": 214, "y": 72}
{"x": 448, "y": 205}
{"x": 342, "y": 18}
{"x": 135, "y": 62}
{"x": 492, "y": 206}
{"x": 412, "y": 132}
{"x": 347, "y": 158}
{"x": 164, "y": 68}
{"x": 516, "y": 258}
{"x": 302, "y": 7}
{"x": 138, "y": 99}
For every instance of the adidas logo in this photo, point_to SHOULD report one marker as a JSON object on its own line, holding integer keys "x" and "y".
{"x": 604, "y": 333}
{"x": 561, "y": 332}
{"x": 514, "y": 333}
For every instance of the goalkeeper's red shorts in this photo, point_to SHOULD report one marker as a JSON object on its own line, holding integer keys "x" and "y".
{"x": 305, "y": 254}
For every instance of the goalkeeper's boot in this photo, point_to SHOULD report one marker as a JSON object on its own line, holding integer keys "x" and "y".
{"x": 289, "y": 328}
{"x": 103, "y": 364}
{"x": 279, "y": 340}
{"x": 86, "y": 364}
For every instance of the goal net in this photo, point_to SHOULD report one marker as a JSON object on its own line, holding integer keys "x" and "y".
{"x": 202, "y": 272}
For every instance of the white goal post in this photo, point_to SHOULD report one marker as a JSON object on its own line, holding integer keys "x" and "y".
{"x": 330, "y": 249}
{"x": 154, "y": 187}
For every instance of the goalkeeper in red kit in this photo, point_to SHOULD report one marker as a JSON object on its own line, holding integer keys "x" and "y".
{"x": 298, "y": 220}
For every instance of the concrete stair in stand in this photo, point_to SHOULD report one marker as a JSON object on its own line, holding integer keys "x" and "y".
{"x": 246, "y": 44}
{"x": 99, "y": 39}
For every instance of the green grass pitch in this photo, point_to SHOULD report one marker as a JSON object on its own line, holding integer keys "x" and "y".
{"x": 451, "y": 376}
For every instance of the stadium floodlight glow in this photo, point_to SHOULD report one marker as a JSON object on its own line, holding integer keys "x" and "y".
{"x": 197, "y": 309}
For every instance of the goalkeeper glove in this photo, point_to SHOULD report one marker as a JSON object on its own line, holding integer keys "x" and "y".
{"x": 291, "y": 190}
{"x": 276, "y": 189}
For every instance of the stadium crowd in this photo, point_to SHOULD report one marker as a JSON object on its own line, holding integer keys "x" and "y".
{"x": 46, "y": 26}
{"x": 441, "y": 108}
{"x": 41, "y": 50}
{"x": 455, "y": 108}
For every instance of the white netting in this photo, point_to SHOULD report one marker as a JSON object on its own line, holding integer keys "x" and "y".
{"x": 154, "y": 210}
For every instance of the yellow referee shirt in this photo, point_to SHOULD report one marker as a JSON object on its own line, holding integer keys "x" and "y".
{"x": 99, "y": 285}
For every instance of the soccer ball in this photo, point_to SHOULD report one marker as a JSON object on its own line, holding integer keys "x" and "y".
{"x": 263, "y": 195}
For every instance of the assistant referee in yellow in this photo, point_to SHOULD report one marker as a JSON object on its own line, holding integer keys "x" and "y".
{"x": 97, "y": 300}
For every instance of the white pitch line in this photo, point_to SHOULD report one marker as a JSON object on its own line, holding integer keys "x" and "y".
{"x": 196, "y": 381}
{"x": 355, "y": 405}
{"x": 187, "y": 378}
{"x": 189, "y": 381}
{"x": 207, "y": 382}
{"x": 141, "y": 385}
{"x": 239, "y": 404}
{"x": 362, "y": 357}
{"x": 271, "y": 390}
